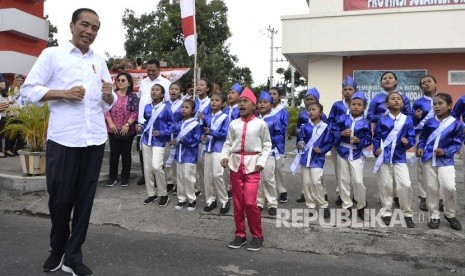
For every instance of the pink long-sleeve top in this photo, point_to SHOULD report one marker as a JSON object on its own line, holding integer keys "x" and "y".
{"x": 120, "y": 114}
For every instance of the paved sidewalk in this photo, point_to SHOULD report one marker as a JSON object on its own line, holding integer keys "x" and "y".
{"x": 123, "y": 207}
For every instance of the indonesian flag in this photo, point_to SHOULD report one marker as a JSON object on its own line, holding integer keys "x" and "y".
{"x": 188, "y": 26}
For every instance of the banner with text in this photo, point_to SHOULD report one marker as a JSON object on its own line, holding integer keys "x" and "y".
{"x": 408, "y": 82}
{"x": 350, "y": 5}
{"x": 172, "y": 74}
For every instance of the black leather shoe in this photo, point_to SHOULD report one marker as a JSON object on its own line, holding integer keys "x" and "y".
{"x": 434, "y": 223}
{"x": 141, "y": 181}
{"x": 272, "y": 211}
{"x": 209, "y": 207}
{"x": 386, "y": 220}
{"x": 301, "y": 198}
{"x": 454, "y": 223}
{"x": 409, "y": 222}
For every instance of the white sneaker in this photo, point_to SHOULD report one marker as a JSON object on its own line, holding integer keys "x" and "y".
{"x": 179, "y": 206}
{"x": 192, "y": 206}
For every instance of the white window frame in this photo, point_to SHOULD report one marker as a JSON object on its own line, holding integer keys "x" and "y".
{"x": 452, "y": 82}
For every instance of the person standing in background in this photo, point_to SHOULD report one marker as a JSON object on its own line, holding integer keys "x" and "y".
{"x": 145, "y": 86}
{"x": 457, "y": 112}
{"x": 440, "y": 138}
{"x": 338, "y": 110}
{"x": 423, "y": 111}
{"x": 77, "y": 85}
{"x": 12, "y": 145}
{"x": 378, "y": 108}
{"x": 121, "y": 128}
{"x": 279, "y": 111}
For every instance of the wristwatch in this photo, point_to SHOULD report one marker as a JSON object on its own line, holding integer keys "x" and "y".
{"x": 128, "y": 124}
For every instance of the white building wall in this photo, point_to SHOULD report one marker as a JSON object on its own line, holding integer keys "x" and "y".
{"x": 14, "y": 62}
{"x": 23, "y": 23}
{"x": 324, "y": 73}
{"x": 316, "y": 42}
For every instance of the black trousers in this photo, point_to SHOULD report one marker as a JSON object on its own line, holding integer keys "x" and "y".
{"x": 140, "y": 155}
{"x": 120, "y": 148}
{"x": 72, "y": 175}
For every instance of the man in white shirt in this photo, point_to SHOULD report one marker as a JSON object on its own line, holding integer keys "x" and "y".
{"x": 145, "y": 86}
{"x": 77, "y": 85}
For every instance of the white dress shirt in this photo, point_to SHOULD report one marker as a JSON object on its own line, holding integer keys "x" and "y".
{"x": 251, "y": 136}
{"x": 72, "y": 123}
{"x": 145, "y": 87}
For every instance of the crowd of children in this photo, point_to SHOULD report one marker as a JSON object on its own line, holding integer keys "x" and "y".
{"x": 234, "y": 147}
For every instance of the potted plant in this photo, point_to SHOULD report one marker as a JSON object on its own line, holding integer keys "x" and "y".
{"x": 30, "y": 122}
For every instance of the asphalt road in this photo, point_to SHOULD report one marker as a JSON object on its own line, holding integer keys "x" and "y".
{"x": 111, "y": 250}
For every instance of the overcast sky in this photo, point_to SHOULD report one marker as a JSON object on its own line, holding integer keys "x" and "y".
{"x": 247, "y": 20}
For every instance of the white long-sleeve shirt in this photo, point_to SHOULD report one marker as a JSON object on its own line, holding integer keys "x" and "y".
{"x": 145, "y": 87}
{"x": 72, "y": 123}
{"x": 246, "y": 137}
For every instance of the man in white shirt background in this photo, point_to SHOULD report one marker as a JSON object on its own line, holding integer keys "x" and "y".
{"x": 77, "y": 85}
{"x": 145, "y": 86}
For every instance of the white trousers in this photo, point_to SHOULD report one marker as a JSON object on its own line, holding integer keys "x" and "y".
{"x": 420, "y": 176}
{"x": 170, "y": 172}
{"x": 200, "y": 168}
{"x": 267, "y": 186}
{"x": 213, "y": 178}
{"x": 278, "y": 175}
{"x": 314, "y": 190}
{"x": 351, "y": 178}
{"x": 185, "y": 179}
{"x": 387, "y": 174}
{"x": 441, "y": 184}
{"x": 226, "y": 176}
{"x": 153, "y": 170}
{"x": 334, "y": 156}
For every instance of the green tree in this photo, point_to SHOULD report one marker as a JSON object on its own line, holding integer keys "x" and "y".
{"x": 159, "y": 34}
{"x": 52, "y": 30}
{"x": 299, "y": 81}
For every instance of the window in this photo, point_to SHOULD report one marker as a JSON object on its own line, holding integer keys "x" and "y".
{"x": 456, "y": 77}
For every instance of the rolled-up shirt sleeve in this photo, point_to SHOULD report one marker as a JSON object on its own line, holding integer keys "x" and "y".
{"x": 34, "y": 87}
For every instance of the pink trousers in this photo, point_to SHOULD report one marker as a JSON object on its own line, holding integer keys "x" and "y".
{"x": 244, "y": 191}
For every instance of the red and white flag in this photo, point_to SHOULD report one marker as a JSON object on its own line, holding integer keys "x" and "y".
{"x": 188, "y": 26}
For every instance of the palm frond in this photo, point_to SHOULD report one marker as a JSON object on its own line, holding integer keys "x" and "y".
{"x": 30, "y": 123}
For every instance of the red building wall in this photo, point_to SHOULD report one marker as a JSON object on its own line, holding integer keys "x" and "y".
{"x": 437, "y": 65}
{"x": 15, "y": 41}
{"x": 34, "y": 7}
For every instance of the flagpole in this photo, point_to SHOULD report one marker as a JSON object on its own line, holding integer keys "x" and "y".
{"x": 195, "y": 76}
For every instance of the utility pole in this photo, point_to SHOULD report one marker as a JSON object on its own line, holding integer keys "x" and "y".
{"x": 271, "y": 32}
{"x": 292, "y": 86}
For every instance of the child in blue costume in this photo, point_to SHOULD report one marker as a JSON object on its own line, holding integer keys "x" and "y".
{"x": 423, "y": 111}
{"x": 158, "y": 126}
{"x": 352, "y": 134}
{"x": 314, "y": 142}
{"x": 215, "y": 130}
{"x": 340, "y": 108}
{"x": 186, "y": 141}
{"x": 267, "y": 187}
{"x": 279, "y": 111}
{"x": 440, "y": 139}
{"x": 393, "y": 136}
